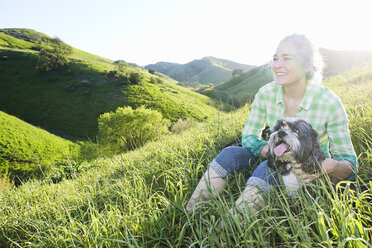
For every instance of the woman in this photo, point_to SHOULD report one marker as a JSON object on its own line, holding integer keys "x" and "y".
{"x": 295, "y": 92}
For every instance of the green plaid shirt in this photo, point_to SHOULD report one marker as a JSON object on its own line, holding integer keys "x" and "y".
{"x": 320, "y": 107}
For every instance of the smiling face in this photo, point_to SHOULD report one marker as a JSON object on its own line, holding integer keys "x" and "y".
{"x": 286, "y": 65}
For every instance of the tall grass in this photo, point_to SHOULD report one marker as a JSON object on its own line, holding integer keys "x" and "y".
{"x": 131, "y": 199}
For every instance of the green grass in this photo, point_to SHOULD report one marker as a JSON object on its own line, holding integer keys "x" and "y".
{"x": 11, "y": 42}
{"x": 25, "y": 149}
{"x": 108, "y": 205}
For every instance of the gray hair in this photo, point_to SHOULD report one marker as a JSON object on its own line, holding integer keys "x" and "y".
{"x": 310, "y": 56}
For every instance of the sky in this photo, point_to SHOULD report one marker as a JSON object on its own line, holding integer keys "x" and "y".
{"x": 179, "y": 31}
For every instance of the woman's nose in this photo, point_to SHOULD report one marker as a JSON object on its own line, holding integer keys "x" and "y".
{"x": 277, "y": 63}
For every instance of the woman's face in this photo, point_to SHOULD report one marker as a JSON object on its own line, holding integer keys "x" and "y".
{"x": 286, "y": 65}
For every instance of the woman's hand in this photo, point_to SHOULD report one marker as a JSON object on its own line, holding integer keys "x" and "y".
{"x": 304, "y": 176}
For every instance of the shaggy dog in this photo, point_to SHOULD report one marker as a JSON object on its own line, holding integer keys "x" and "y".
{"x": 294, "y": 141}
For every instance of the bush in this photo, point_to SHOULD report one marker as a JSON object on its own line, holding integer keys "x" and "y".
{"x": 182, "y": 125}
{"x": 121, "y": 66}
{"x": 156, "y": 80}
{"x": 126, "y": 129}
{"x": 5, "y": 182}
{"x": 135, "y": 78}
{"x": 53, "y": 54}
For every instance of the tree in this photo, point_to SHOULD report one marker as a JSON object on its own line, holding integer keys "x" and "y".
{"x": 126, "y": 129}
{"x": 237, "y": 72}
{"x": 53, "y": 54}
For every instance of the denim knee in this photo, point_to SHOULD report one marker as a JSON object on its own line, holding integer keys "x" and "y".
{"x": 264, "y": 177}
{"x": 233, "y": 159}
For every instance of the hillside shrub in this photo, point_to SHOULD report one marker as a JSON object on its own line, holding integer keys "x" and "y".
{"x": 182, "y": 125}
{"x": 135, "y": 78}
{"x": 156, "y": 80}
{"x": 127, "y": 129}
{"x": 121, "y": 66}
{"x": 237, "y": 72}
{"x": 53, "y": 54}
{"x": 5, "y": 182}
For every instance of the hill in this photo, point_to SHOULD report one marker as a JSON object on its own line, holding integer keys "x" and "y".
{"x": 204, "y": 71}
{"x": 240, "y": 90}
{"x": 337, "y": 62}
{"x": 68, "y": 101}
{"x": 24, "y": 148}
{"x": 162, "y": 67}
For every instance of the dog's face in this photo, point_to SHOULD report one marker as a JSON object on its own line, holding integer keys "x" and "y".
{"x": 292, "y": 141}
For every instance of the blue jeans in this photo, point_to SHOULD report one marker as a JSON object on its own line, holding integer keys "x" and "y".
{"x": 233, "y": 159}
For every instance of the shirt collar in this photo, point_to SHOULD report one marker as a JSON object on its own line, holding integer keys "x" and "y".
{"x": 279, "y": 95}
{"x": 306, "y": 101}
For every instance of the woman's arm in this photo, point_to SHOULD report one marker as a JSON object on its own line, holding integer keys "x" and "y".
{"x": 254, "y": 125}
{"x": 337, "y": 169}
{"x": 263, "y": 152}
{"x": 344, "y": 161}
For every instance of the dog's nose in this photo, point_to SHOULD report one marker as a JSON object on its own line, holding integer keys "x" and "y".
{"x": 281, "y": 134}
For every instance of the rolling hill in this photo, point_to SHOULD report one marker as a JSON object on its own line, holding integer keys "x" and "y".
{"x": 162, "y": 67}
{"x": 68, "y": 101}
{"x": 204, "y": 71}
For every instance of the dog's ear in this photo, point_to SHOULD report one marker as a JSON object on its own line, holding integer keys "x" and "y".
{"x": 314, "y": 162}
{"x": 270, "y": 159}
{"x": 278, "y": 124}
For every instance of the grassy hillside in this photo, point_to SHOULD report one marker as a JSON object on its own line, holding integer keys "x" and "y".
{"x": 340, "y": 61}
{"x": 24, "y": 149}
{"x": 69, "y": 100}
{"x": 241, "y": 89}
{"x": 137, "y": 199}
{"x": 204, "y": 71}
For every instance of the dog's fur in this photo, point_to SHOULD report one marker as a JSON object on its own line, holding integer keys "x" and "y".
{"x": 303, "y": 147}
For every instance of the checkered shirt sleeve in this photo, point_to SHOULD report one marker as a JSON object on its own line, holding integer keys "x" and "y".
{"x": 254, "y": 125}
{"x": 338, "y": 133}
